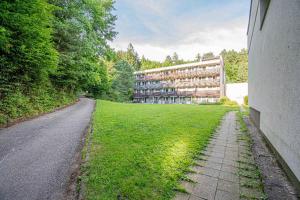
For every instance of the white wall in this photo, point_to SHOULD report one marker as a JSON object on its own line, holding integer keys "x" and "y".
{"x": 237, "y": 91}
{"x": 274, "y": 76}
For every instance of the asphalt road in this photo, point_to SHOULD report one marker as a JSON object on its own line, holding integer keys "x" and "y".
{"x": 36, "y": 155}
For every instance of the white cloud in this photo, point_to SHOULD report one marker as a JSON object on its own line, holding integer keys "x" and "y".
{"x": 185, "y": 34}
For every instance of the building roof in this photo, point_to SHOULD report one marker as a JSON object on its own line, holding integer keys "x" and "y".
{"x": 204, "y": 63}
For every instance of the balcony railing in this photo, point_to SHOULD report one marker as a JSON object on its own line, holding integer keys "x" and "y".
{"x": 188, "y": 84}
{"x": 206, "y": 93}
{"x": 177, "y": 75}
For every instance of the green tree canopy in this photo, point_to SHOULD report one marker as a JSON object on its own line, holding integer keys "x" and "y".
{"x": 26, "y": 50}
{"x": 236, "y": 65}
{"x": 208, "y": 55}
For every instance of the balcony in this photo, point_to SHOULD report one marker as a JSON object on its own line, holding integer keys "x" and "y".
{"x": 206, "y": 93}
{"x": 187, "y": 84}
{"x": 177, "y": 75}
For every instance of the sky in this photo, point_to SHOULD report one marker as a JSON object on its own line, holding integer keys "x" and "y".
{"x": 158, "y": 28}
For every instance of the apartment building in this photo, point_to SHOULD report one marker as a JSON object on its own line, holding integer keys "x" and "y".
{"x": 198, "y": 82}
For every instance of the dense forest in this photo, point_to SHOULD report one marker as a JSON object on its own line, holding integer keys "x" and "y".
{"x": 52, "y": 51}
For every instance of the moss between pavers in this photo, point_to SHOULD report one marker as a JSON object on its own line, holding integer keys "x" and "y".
{"x": 251, "y": 186}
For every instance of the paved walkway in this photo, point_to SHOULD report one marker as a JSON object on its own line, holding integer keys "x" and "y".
{"x": 36, "y": 155}
{"x": 216, "y": 170}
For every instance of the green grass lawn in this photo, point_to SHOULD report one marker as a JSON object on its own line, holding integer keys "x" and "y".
{"x": 141, "y": 151}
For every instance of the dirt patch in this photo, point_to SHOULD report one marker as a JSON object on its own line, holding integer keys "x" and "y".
{"x": 276, "y": 184}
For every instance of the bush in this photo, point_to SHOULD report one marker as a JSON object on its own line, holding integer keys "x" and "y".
{"x": 246, "y": 100}
{"x": 18, "y": 105}
{"x": 226, "y": 101}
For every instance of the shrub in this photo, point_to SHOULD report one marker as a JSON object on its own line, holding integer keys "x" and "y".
{"x": 246, "y": 100}
{"x": 226, "y": 101}
{"x": 39, "y": 100}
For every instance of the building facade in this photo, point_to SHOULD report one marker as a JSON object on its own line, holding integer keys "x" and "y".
{"x": 274, "y": 78}
{"x": 199, "y": 82}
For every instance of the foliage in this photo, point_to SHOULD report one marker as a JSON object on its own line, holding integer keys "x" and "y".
{"x": 149, "y": 149}
{"x": 208, "y": 55}
{"x": 198, "y": 57}
{"x": 50, "y": 51}
{"x": 149, "y": 64}
{"x": 82, "y": 29}
{"x": 226, "y": 101}
{"x": 123, "y": 82}
{"x": 27, "y": 52}
{"x": 246, "y": 100}
{"x": 131, "y": 57}
{"x": 39, "y": 100}
{"x": 236, "y": 65}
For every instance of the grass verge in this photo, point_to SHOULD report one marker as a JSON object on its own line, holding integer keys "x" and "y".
{"x": 141, "y": 151}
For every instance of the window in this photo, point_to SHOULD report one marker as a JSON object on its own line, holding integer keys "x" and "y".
{"x": 264, "y": 4}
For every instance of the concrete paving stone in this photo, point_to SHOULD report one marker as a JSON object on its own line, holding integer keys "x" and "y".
{"x": 229, "y": 168}
{"x": 193, "y": 197}
{"x": 205, "y": 191}
{"x": 199, "y": 163}
{"x": 231, "y": 157}
{"x": 230, "y": 148}
{"x": 234, "y": 146}
{"x": 228, "y": 186}
{"x": 232, "y": 142}
{"x": 218, "y": 155}
{"x": 181, "y": 196}
{"x": 193, "y": 176}
{"x": 218, "y": 151}
{"x": 221, "y": 139}
{"x": 197, "y": 168}
{"x": 210, "y": 172}
{"x": 210, "y": 146}
{"x": 232, "y": 154}
{"x": 213, "y": 165}
{"x": 207, "y": 180}
{"x": 223, "y": 195}
{"x": 230, "y": 162}
{"x": 219, "y": 148}
{"x": 188, "y": 186}
{"x": 215, "y": 159}
{"x": 220, "y": 144}
{"x": 229, "y": 177}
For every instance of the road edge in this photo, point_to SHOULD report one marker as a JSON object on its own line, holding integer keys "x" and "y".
{"x": 73, "y": 188}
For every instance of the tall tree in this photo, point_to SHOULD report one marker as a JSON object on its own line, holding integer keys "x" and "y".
{"x": 198, "y": 57}
{"x": 208, "y": 55}
{"x": 82, "y": 30}
{"x": 27, "y": 54}
{"x": 175, "y": 58}
{"x": 236, "y": 65}
{"x": 131, "y": 57}
{"x": 168, "y": 61}
{"x": 123, "y": 82}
